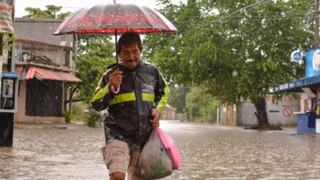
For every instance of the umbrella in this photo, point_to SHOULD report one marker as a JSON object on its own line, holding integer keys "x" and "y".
{"x": 114, "y": 19}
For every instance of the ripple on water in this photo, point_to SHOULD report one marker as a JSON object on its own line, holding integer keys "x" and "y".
{"x": 208, "y": 153}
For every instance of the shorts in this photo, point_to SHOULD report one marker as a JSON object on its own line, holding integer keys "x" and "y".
{"x": 120, "y": 157}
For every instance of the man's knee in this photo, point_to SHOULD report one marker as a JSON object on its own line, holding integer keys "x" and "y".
{"x": 117, "y": 176}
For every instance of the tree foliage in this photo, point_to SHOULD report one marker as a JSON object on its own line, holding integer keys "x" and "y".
{"x": 237, "y": 49}
{"x": 51, "y": 12}
{"x": 201, "y": 105}
{"x": 94, "y": 55}
{"x": 177, "y": 97}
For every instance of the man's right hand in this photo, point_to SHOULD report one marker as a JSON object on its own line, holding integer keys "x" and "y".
{"x": 115, "y": 80}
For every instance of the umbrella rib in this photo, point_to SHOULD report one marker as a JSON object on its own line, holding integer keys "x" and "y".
{"x": 65, "y": 22}
{"x": 166, "y": 21}
{"x": 87, "y": 12}
{"x": 128, "y": 19}
{"x": 146, "y": 14}
{"x": 115, "y": 16}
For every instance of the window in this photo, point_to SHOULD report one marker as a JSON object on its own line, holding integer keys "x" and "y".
{"x": 44, "y": 98}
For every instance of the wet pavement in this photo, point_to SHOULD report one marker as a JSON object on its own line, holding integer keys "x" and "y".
{"x": 73, "y": 152}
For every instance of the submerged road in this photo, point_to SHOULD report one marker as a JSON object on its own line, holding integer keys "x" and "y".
{"x": 72, "y": 152}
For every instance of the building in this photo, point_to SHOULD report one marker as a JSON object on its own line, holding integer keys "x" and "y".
{"x": 281, "y": 112}
{"x": 308, "y": 89}
{"x": 168, "y": 113}
{"x": 45, "y": 64}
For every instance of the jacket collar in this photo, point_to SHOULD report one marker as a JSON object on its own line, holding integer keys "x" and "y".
{"x": 141, "y": 63}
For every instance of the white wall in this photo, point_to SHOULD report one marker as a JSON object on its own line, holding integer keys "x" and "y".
{"x": 281, "y": 113}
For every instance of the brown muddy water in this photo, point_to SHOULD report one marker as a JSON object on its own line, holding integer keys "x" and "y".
{"x": 208, "y": 152}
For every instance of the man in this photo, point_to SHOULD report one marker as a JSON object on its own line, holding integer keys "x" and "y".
{"x": 133, "y": 111}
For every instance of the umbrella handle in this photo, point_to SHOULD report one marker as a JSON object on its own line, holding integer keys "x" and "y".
{"x": 115, "y": 90}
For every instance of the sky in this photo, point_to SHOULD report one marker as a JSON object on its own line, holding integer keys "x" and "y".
{"x": 73, "y": 5}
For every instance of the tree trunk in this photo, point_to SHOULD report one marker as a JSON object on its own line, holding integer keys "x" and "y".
{"x": 71, "y": 91}
{"x": 261, "y": 114}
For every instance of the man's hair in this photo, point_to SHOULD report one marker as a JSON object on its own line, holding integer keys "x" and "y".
{"x": 127, "y": 39}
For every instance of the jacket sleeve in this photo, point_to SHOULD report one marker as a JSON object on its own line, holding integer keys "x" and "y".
{"x": 161, "y": 92}
{"x": 102, "y": 98}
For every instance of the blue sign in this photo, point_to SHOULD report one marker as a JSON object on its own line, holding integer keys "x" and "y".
{"x": 297, "y": 56}
{"x": 312, "y": 67}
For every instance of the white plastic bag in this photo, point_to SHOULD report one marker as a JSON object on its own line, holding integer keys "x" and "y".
{"x": 154, "y": 161}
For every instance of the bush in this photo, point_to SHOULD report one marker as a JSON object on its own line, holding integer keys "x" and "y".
{"x": 79, "y": 112}
{"x": 68, "y": 117}
{"x": 94, "y": 118}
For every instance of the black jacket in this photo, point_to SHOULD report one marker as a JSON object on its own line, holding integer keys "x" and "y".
{"x": 129, "y": 111}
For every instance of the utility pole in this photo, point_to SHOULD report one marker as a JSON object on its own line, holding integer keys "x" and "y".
{"x": 316, "y": 13}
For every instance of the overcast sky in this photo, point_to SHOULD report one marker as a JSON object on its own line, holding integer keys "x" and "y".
{"x": 72, "y": 5}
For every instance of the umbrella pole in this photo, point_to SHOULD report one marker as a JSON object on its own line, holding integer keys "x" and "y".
{"x": 116, "y": 45}
{"x": 116, "y": 90}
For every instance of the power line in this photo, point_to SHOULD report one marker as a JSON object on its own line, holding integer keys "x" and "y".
{"x": 288, "y": 14}
{"x": 251, "y": 6}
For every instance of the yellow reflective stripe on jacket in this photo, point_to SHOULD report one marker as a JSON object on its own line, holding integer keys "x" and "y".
{"x": 126, "y": 97}
{"x": 100, "y": 94}
{"x": 164, "y": 99}
{"x": 148, "y": 97}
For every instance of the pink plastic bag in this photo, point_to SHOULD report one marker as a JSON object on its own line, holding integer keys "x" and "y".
{"x": 171, "y": 148}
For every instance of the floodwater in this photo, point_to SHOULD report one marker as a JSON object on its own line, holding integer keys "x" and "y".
{"x": 208, "y": 152}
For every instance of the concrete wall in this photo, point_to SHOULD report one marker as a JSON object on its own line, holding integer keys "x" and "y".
{"x": 168, "y": 113}
{"x": 36, "y": 35}
{"x": 40, "y": 30}
{"x": 281, "y": 113}
{"x": 246, "y": 115}
{"x": 24, "y": 50}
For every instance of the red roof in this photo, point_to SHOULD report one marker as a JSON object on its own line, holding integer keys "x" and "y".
{"x": 40, "y": 73}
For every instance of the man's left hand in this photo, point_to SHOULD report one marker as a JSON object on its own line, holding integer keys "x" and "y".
{"x": 155, "y": 117}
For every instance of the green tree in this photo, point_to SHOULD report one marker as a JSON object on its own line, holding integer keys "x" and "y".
{"x": 51, "y": 12}
{"x": 201, "y": 105}
{"x": 94, "y": 56}
{"x": 237, "y": 49}
{"x": 177, "y": 97}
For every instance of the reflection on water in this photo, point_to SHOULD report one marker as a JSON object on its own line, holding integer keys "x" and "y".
{"x": 208, "y": 153}
{"x": 235, "y": 153}
{"x": 72, "y": 153}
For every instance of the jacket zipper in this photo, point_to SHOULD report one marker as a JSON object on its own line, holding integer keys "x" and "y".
{"x": 137, "y": 104}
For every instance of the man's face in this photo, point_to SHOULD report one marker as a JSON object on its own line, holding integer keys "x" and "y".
{"x": 130, "y": 55}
